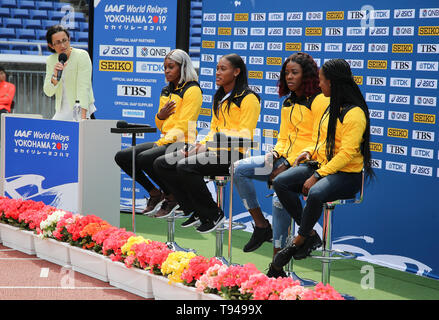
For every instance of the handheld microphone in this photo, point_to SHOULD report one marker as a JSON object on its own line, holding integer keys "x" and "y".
{"x": 124, "y": 124}
{"x": 61, "y": 58}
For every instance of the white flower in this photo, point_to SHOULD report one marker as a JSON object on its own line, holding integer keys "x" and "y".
{"x": 48, "y": 226}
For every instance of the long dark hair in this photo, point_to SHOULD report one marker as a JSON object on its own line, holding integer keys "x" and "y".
{"x": 344, "y": 92}
{"x": 310, "y": 75}
{"x": 241, "y": 82}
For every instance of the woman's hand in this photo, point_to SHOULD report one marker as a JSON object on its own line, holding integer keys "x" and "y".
{"x": 276, "y": 172}
{"x": 58, "y": 67}
{"x": 167, "y": 110}
{"x": 304, "y": 156}
{"x": 308, "y": 184}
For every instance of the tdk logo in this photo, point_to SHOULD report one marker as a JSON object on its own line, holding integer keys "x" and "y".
{"x": 401, "y": 82}
{"x": 116, "y": 51}
{"x": 427, "y": 65}
{"x": 396, "y": 166}
{"x": 150, "y": 67}
{"x": 375, "y": 97}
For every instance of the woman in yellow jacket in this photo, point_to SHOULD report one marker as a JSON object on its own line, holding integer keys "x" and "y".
{"x": 299, "y": 81}
{"x": 340, "y": 151}
{"x": 235, "y": 113}
{"x": 180, "y": 106}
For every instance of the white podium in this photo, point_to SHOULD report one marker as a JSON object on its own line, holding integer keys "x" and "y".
{"x": 69, "y": 165}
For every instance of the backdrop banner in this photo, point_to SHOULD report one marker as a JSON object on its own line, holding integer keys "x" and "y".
{"x": 130, "y": 40}
{"x": 393, "y": 50}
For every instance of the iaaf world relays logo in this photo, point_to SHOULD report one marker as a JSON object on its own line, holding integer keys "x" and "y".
{"x": 41, "y": 143}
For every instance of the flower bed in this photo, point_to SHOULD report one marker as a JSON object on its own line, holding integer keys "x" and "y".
{"x": 205, "y": 276}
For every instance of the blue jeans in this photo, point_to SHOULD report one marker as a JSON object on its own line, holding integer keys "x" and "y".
{"x": 253, "y": 168}
{"x": 288, "y": 186}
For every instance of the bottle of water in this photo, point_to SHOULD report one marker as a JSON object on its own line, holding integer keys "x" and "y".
{"x": 77, "y": 111}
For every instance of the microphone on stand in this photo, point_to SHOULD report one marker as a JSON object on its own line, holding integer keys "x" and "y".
{"x": 124, "y": 124}
{"x": 61, "y": 58}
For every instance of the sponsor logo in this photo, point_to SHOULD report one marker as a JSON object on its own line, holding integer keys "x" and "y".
{"x": 404, "y": 13}
{"x": 293, "y": 31}
{"x": 223, "y": 31}
{"x": 376, "y": 131}
{"x": 255, "y": 74}
{"x": 356, "y": 31}
{"x": 376, "y": 81}
{"x": 241, "y": 16}
{"x": 203, "y": 125}
{"x": 274, "y": 61}
{"x": 255, "y": 88}
{"x": 380, "y": 14}
{"x": 257, "y": 45}
{"x": 402, "y": 48}
{"x": 313, "y": 46}
{"x": 397, "y": 133}
{"x": 428, "y": 48}
{"x": 271, "y": 119}
{"x": 207, "y": 98}
{"x": 271, "y": 75}
{"x": 376, "y": 163}
{"x": 275, "y": 31}
{"x": 403, "y": 31}
{"x": 224, "y": 45}
{"x": 256, "y": 60}
{"x": 354, "y": 47}
{"x": 427, "y": 65}
{"x": 294, "y": 16}
{"x": 152, "y": 52}
{"x": 258, "y": 16}
{"x": 271, "y": 90}
{"x": 118, "y": 66}
{"x": 316, "y": 15}
{"x": 133, "y": 91}
{"x": 425, "y": 101}
{"x": 377, "y": 147}
{"x": 206, "y": 85}
{"x": 207, "y": 57}
{"x": 208, "y": 44}
{"x": 426, "y": 83}
{"x": 257, "y": 31}
{"x": 421, "y": 170}
{"x": 358, "y": 80}
{"x": 423, "y": 135}
{"x": 313, "y": 31}
{"x": 116, "y": 51}
{"x": 225, "y": 17}
{"x": 276, "y": 16}
{"x": 239, "y": 31}
{"x": 209, "y": 31}
{"x": 270, "y": 133}
{"x": 206, "y": 112}
{"x": 424, "y": 118}
{"x": 422, "y": 153}
{"x": 378, "y": 31}
{"x": 207, "y": 71}
{"x": 355, "y": 64}
{"x": 395, "y": 149}
{"x": 429, "y": 13}
{"x": 292, "y": 46}
{"x": 401, "y": 82}
{"x": 428, "y": 30}
{"x": 375, "y": 97}
{"x": 334, "y": 31}
{"x": 399, "y": 116}
{"x": 399, "y": 99}
{"x": 401, "y": 65}
{"x": 378, "y": 47}
{"x": 133, "y": 113}
{"x": 150, "y": 67}
{"x": 396, "y": 166}
{"x": 271, "y": 104}
{"x": 238, "y": 45}
{"x": 335, "y": 15}
{"x": 209, "y": 17}
{"x": 356, "y": 15}
{"x": 333, "y": 47}
{"x": 377, "y": 64}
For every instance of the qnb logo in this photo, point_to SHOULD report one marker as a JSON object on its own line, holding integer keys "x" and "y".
{"x": 399, "y": 116}
{"x": 429, "y": 13}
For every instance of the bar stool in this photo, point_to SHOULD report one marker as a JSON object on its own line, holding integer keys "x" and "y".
{"x": 171, "y": 231}
{"x": 327, "y": 254}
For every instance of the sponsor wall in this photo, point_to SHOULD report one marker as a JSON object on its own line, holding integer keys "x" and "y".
{"x": 131, "y": 39}
{"x": 393, "y": 50}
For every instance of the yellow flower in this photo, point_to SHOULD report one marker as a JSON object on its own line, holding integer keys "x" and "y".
{"x": 175, "y": 264}
{"x": 126, "y": 248}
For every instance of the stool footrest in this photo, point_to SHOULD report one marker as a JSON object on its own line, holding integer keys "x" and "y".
{"x": 235, "y": 226}
{"x": 329, "y": 255}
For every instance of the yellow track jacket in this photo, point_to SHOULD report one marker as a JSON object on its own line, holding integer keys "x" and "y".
{"x": 180, "y": 126}
{"x": 298, "y": 117}
{"x": 348, "y": 138}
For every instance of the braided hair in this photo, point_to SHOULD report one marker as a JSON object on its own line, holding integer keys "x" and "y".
{"x": 344, "y": 92}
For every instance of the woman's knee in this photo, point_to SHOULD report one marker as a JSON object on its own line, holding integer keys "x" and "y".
{"x": 122, "y": 157}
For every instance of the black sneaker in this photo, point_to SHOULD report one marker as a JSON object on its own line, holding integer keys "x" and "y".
{"x": 209, "y": 226}
{"x": 259, "y": 236}
{"x": 284, "y": 256}
{"x": 193, "y": 220}
{"x": 311, "y": 243}
{"x": 274, "y": 272}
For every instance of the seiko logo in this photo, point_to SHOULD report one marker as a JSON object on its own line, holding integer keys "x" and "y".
{"x": 333, "y": 47}
{"x": 425, "y": 101}
{"x": 401, "y": 82}
{"x": 399, "y": 116}
{"x": 401, "y": 65}
{"x": 421, "y": 170}
{"x": 398, "y": 133}
{"x": 403, "y": 31}
{"x": 116, "y": 51}
{"x": 423, "y": 135}
{"x": 422, "y": 153}
{"x": 428, "y": 48}
{"x": 396, "y": 166}
{"x": 399, "y": 99}
{"x": 376, "y": 81}
{"x": 134, "y": 91}
{"x": 395, "y": 149}
{"x": 294, "y": 16}
{"x": 375, "y": 97}
{"x": 404, "y": 13}
{"x": 426, "y": 83}
{"x": 378, "y": 47}
{"x": 424, "y": 118}
{"x": 427, "y": 65}
{"x": 354, "y": 47}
